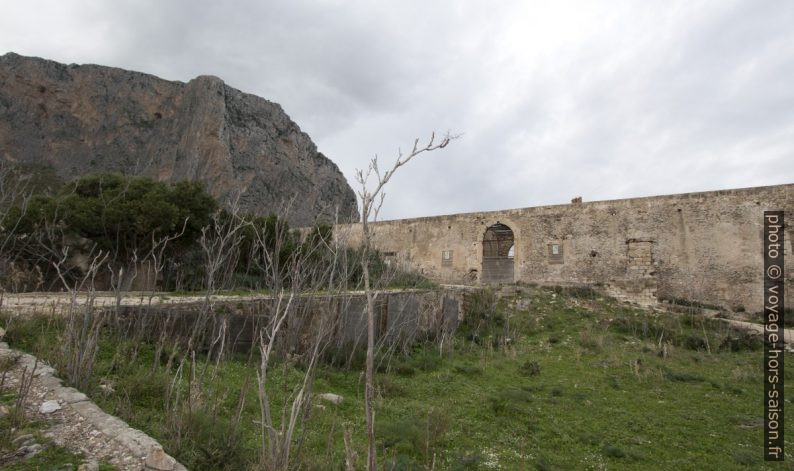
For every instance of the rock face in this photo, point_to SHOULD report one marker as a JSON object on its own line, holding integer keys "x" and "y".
{"x": 79, "y": 119}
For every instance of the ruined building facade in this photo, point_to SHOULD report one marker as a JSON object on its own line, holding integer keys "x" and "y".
{"x": 703, "y": 247}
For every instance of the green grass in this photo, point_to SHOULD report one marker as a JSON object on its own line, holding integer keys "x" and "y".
{"x": 574, "y": 382}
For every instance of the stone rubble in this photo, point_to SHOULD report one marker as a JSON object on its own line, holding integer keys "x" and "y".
{"x": 331, "y": 397}
{"x": 76, "y": 423}
{"x": 48, "y": 407}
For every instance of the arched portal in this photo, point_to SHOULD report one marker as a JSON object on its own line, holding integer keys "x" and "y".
{"x": 497, "y": 254}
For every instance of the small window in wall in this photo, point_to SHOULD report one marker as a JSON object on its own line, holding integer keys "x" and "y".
{"x": 446, "y": 258}
{"x": 555, "y": 253}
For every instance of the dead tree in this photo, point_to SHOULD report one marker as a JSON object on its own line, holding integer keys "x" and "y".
{"x": 371, "y": 202}
{"x": 296, "y": 329}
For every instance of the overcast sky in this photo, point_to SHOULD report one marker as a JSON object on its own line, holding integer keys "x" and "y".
{"x": 554, "y": 99}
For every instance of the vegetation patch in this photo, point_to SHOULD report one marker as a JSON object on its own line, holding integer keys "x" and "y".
{"x": 478, "y": 402}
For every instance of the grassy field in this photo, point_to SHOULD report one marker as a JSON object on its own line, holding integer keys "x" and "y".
{"x": 535, "y": 379}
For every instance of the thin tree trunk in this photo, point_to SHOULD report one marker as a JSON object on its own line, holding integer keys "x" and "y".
{"x": 369, "y": 392}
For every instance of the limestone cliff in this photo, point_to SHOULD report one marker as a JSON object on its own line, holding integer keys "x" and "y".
{"x": 79, "y": 119}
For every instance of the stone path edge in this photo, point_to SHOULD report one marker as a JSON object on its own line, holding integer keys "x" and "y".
{"x": 140, "y": 445}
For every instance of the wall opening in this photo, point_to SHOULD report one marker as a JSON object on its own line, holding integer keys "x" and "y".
{"x": 498, "y": 249}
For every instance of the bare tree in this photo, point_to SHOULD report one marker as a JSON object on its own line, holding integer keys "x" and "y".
{"x": 14, "y": 199}
{"x": 371, "y": 202}
{"x": 298, "y": 321}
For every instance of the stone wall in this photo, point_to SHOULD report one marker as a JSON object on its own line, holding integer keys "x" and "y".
{"x": 703, "y": 247}
{"x": 400, "y": 317}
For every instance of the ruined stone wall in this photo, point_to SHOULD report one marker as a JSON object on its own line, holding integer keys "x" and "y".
{"x": 400, "y": 317}
{"x": 703, "y": 247}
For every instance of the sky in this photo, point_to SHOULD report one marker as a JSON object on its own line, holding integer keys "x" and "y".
{"x": 552, "y": 100}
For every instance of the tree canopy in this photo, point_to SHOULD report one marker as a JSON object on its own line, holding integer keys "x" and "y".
{"x": 124, "y": 214}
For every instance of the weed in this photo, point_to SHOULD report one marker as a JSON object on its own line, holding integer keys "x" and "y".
{"x": 426, "y": 360}
{"x": 693, "y": 343}
{"x": 613, "y": 452}
{"x": 683, "y": 377}
{"x": 590, "y": 340}
{"x": 415, "y": 436}
{"x": 739, "y": 340}
{"x": 486, "y": 402}
{"x": 542, "y": 464}
{"x": 405, "y": 370}
{"x": 482, "y": 318}
{"x": 529, "y": 368}
{"x": 468, "y": 370}
{"x": 744, "y": 458}
{"x": 389, "y": 387}
{"x": 466, "y": 461}
{"x": 590, "y": 439}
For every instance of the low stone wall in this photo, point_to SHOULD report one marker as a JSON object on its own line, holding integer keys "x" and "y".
{"x": 399, "y": 316}
{"x": 78, "y": 424}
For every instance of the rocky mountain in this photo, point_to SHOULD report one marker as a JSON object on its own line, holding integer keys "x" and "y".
{"x": 79, "y": 119}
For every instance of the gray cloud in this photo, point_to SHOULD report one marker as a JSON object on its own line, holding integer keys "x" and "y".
{"x": 606, "y": 100}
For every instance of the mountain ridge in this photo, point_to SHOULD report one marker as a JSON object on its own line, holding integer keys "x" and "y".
{"x": 80, "y": 119}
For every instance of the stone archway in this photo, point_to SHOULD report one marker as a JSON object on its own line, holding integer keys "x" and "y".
{"x": 498, "y": 248}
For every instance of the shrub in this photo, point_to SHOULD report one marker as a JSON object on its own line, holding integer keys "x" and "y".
{"x": 426, "y": 360}
{"x": 207, "y": 442}
{"x": 388, "y": 387}
{"x": 693, "y": 342}
{"x": 590, "y": 340}
{"x": 745, "y": 458}
{"x": 739, "y": 340}
{"x": 466, "y": 461}
{"x": 403, "y": 463}
{"x": 508, "y": 399}
{"x": 614, "y": 452}
{"x": 683, "y": 377}
{"x": 482, "y": 318}
{"x": 468, "y": 370}
{"x": 417, "y": 436}
{"x": 529, "y": 368}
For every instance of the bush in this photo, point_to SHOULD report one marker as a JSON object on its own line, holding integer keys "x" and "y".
{"x": 403, "y": 463}
{"x": 465, "y": 462}
{"x": 529, "y": 368}
{"x": 614, "y": 452}
{"x": 144, "y": 390}
{"x": 739, "y": 340}
{"x": 468, "y": 370}
{"x": 507, "y": 400}
{"x": 388, "y": 387}
{"x": 591, "y": 340}
{"x": 426, "y": 360}
{"x": 482, "y": 318}
{"x": 693, "y": 343}
{"x": 683, "y": 377}
{"x": 207, "y": 442}
{"x": 415, "y": 437}
{"x": 642, "y": 327}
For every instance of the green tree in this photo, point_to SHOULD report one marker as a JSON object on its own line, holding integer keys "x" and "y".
{"x": 126, "y": 215}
